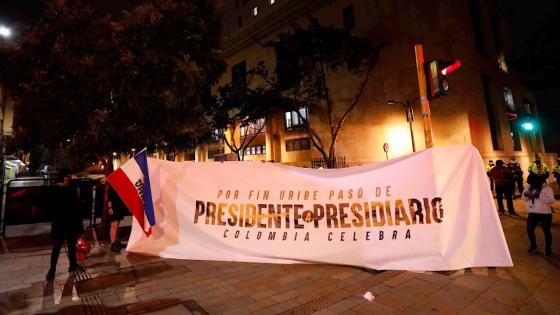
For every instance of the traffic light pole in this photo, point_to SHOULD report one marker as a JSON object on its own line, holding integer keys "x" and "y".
{"x": 425, "y": 104}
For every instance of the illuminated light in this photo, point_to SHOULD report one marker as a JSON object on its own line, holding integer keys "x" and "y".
{"x": 5, "y": 32}
{"x": 398, "y": 139}
{"x": 511, "y": 116}
{"x": 114, "y": 153}
{"x": 255, "y": 10}
{"x": 527, "y": 126}
{"x": 452, "y": 67}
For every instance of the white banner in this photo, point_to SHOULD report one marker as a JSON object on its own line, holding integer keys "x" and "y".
{"x": 431, "y": 210}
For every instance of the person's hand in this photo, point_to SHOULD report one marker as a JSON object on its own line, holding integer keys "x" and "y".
{"x": 110, "y": 211}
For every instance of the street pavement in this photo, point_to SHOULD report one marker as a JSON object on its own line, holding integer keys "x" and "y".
{"x": 129, "y": 283}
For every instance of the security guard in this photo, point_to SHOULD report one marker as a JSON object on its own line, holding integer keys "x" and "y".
{"x": 489, "y": 167}
{"x": 517, "y": 172}
{"x": 556, "y": 171}
{"x": 539, "y": 167}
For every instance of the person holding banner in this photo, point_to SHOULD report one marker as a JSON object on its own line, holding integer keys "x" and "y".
{"x": 66, "y": 224}
{"x": 488, "y": 168}
{"x": 116, "y": 210}
{"x": 539, "y": 197}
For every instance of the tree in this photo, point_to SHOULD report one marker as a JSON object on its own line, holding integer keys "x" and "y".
{"x": 92, "y": 84}
{"x": 244, "y": 104}
{"x": 169, "y": 59}
{"x": 307, "y": 61}
{"x": 51, "y": 76}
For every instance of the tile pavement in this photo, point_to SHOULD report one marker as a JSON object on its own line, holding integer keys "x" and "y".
{"x": 135, "y": 284}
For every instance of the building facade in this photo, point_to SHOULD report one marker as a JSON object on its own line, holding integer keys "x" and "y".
{"x": 483, "y": 91}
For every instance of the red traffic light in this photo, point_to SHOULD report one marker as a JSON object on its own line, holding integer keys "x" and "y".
{"x": 450, "y": 67}
{"x": 511, "y": 115}
{"x": 436, "y": 72}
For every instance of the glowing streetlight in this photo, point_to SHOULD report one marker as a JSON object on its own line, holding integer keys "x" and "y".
{"x": 5, "y": 32}
{"x": 409, "y": 117}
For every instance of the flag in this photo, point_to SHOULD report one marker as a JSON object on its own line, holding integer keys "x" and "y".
{"x": 132, "y": 182}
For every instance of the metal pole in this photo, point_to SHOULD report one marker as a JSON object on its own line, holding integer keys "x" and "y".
{"x": 410, "y": 119}
{"x": 426, "y": 116}
{"x": 92, "y": 217}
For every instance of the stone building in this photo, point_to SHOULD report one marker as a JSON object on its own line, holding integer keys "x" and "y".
{"x": 474, "y": 112}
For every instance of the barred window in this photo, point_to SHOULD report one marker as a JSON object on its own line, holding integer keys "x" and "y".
{"x": 298, "y": 144}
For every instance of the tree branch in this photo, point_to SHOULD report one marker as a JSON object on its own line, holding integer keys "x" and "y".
{"x": 354, "y": 103}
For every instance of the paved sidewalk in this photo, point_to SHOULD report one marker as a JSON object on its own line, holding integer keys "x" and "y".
{"x": 136, "y": 284}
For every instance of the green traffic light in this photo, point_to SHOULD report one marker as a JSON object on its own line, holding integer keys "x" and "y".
{"x": 527, "y": 126}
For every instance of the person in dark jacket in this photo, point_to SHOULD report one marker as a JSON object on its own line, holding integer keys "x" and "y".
{"x": 116, "y": 210}
{"x": 66, "y": 224}
{"x": 517, "y": 172}
{"x": 502, "y": 180}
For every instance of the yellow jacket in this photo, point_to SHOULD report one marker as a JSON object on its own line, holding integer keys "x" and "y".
{"x": 539, "y": 171}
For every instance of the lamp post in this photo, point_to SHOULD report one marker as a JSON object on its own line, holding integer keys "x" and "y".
{"x": 5, "y": 34}
{"x": 409, "y": 117}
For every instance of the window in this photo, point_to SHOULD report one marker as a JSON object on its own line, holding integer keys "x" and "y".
{"x": 252, "y": 128}
{"x": 490, "y": 113}
{"x": 510, "y": 108}
{"x": 476, "y": 21}
{"x": 217, "y": 135}
{"x": 348, "y": 18}
{"x": 508, "y": 98}
{"x": 295, "y": 120}
{"x": 298, "y": 144}
{"x": 255, "y": 150}
{"x": 255, "y": 11}
{"x": 239, "y": 74}
{"x": 502, "y": 62}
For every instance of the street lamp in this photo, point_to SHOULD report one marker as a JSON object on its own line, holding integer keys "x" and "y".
{"x": 409, "y": 117}
{"x": 5, "y": 32}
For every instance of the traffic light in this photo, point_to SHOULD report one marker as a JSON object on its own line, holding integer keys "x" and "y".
{"x": 436, "y": 76}
{"x": 527, "y": 125}
{"x": 511, "y": 115}
{"x": 527, "y": 122}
